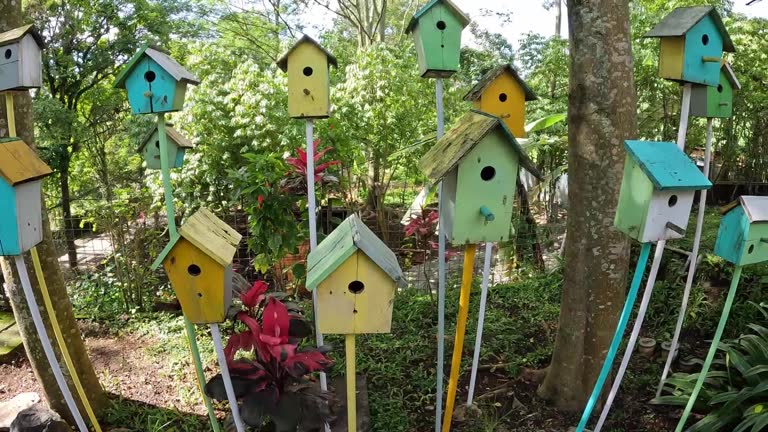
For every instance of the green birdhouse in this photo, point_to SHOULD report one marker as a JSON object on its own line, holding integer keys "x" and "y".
{"x": 743, "y": 235}
{"x": 177, "y": 147}
{"x": 436, "y": 30}
{"x": 478, "y": 162}
{"x": 155, "y": 82}
{"x": 716, "y": 102}
{"x": 657, "y": 191}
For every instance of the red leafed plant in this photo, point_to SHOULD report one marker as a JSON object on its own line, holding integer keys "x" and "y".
{"x": 295, "y": 180}
{"x": 269, "y": 371}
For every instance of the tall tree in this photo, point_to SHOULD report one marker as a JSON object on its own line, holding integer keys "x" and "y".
{"x": 601, "y": 115}
{"x": 11, "y": 17}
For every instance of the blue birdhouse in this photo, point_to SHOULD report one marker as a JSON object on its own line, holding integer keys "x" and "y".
{"x": 155, "y": 82}
{"x": 21, "y": 174}
{"x": 693, "y": 40}
{"x": 743, "y": 234}
{"x": 177, "y": 147}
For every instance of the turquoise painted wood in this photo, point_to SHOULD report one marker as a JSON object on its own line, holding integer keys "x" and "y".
{"x": 741, "y": 240}
{"x": 149, "y": 78}
{"x": 9, "y": 229}
{"x": 668, "y": 167}
{"x": 436, "y": 30}
{"x": 703, "y": 40}
{"x": 179, "y": 161}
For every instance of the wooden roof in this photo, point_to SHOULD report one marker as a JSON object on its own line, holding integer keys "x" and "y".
{"x": 680, "y": 20}
{"x": 668, "y": 167}
{"x": 19, "y": 163}
{"x": 468, "y": 132}
{"x": 282, "y": 63}
{"x": 172, "y": 134}
{"x": 209, "y": 234}
{"x": 464, "y": 18}
{"x": 165, "y": 61}
{"x": 491, "y": 76}
{"x": 17, "y": 34}
{"x": 755, "y": 207}
{"x": 731, "y": 75}
{"x": 352, "y": 235}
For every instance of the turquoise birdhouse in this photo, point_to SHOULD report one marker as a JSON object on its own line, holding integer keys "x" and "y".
{"x": 21, "y": 220}
{"x": 436, "y": 30}
{"x": 478, "y": 162}
{"x": 743, "y": 235}
{"x": 155, "y": 82}
{"x": 177, "y": 147}
{"x": 657, "y": 191}
{"x": 693, "y": 40}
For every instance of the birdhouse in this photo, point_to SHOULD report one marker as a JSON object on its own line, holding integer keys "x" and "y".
{"x": 309, "y": 86}
{"x": 21, "y": 174}
{"x": 717, "y": 101}
{"x": 692, "y": 43}
{"x": 198, "y": 262}
{"x": 478, "y": 162}
{"x": 154, "y": 81}
{"x": 21, "y": 61}
{"x": 657, "y": 191}
{"x": 355, "y": 275}
{"x": 743, "y": 235}
{"x": 177, "y": 147}
{"x": 436, "y": 29}
{"x": 502, "y": 93}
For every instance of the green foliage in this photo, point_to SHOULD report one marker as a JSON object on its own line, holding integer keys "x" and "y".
{"x": 139, "y": 416}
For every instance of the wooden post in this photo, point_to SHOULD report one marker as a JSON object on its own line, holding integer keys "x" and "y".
{"x": 11, "y": 114}
{"x": 440, "y": 269}
{"x": 461, "y": 327}
{"x": 480, "y": 320}
{"x": 216, "y": 336}
{"x": 642, "y": 262}
{"x": 712, "y": 348}
{"x": 351, "y": 383}
{"x": 685, "y": 111}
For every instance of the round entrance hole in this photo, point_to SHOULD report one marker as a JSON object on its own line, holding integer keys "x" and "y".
{"x": 720, "y": 88}
{"x": 751, "y": 249}
{"x": 441, "y": 25}
{"x": 503, "y": 97}
{"x": 705, "y": 39}
{"x": 308, "y": 71}
{"x": 157, "y": 144}
{"x": 8, "y": 53}
{"x": 672, "y": 200}
{"x": 194, "y": 270}
{"x": 356, "y": 287}
{"x": 149, "y": 76}
{"x": 488, "y": 173}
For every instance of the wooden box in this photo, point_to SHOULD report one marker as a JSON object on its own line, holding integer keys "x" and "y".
{"x": 309, "y": 87}
{"x": 436, "y": 30}
{"x": 743, "y": 235}
{"x": 21, "y": 59}
{"x": 502, "y": 93}
{"x": 177, "y": 147}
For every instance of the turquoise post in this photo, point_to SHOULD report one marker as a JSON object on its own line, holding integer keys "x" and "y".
{"x": 165, "y": 166}
{"x": 642, "y": 262}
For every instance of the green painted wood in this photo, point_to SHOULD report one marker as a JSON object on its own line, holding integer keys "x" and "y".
{"x": 439, "y": 34}
{"x": 634, "y": 200}
{"x": 668, "y": 167}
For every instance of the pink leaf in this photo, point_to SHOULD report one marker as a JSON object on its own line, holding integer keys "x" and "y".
{"x": 276, "y": 322}
{"x": 255, "y": 295}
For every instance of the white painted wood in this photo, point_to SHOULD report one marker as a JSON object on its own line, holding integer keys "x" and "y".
{"x": 660, "y": 212}
{"x": 756, "y": 208}
{"x": 685, "y": 111}
{"x": 31, "y": 63}
{"x": 29, "y": 214}
{"x": 448, "y": 201}
{"x": 9, "y": 66}
{"x": 480, "y": 321}
{"x": 442, "y": 237}
{"x": 233, "y": 406}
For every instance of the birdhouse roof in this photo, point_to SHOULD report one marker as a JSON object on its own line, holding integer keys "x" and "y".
{"x": 668, "y": 167}
{"x": 464, "y": 18}
{"x": 491, "y": 76}
{"x": 17, "y": 34}
{"x": 352, "y": 235}
{"x": 165, "y": 61}
{"x": 172, "y": 133}
{"x": 468, "y": 132}
{"x": 755, "y": 207}
{"x": 731, "y": 76}
{"x": 209, "y": 234}
{"x": 19, "y": 163}
{"x": 680, "y": 20}
{"x": 283, "y": 62}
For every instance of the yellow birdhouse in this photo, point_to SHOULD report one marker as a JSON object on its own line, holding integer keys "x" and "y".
{"x": 355, "y": 275}
{"x": 502, "y": 93}
{"x": 309, "y": 86}
{"x": 198, "y": 262}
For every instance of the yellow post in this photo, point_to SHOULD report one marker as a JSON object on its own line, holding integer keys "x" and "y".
{"x": 351, "y": 384}
{"x": 11, "y": 115}
{"x": 461, "y": 327}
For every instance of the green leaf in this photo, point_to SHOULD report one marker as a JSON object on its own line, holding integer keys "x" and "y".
{"x": 545, "y": 123}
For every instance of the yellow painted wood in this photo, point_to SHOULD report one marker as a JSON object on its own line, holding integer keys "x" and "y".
{"x": 11, "y": 114}
{"x": 511, "y": 109}
{"x": 308, "y": 96}
{"x": 60, "y": 340}
{"x": 351, "y": 383}
{"x": 461, "y": 328}
{"x": 671, "y": 57}
{"x": 373, "y": 306}
{"x": 19, "y": 163}
{"x": 211, "y": 235}
{"x": 202, "y": 296}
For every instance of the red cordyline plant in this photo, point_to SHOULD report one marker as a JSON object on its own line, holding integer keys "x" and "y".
{"x": 296, "y": 179}
{"x": 269, "y": 371}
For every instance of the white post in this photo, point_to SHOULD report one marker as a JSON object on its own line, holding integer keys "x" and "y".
{"x": 685, "y": 111}
{"x": 635, "y": 333}
{"x": 440, "y": 271}
{"x": 480, "y": 321}
{"x": 692, "y": 265}
{"x": 46, "y": 343}
{"x": 216, "y": 336}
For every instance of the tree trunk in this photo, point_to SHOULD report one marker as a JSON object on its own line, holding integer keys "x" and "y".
{"x": 10, "y": 17}
{"x": 601, "y": 115}
{"x": 66, "y": 210}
